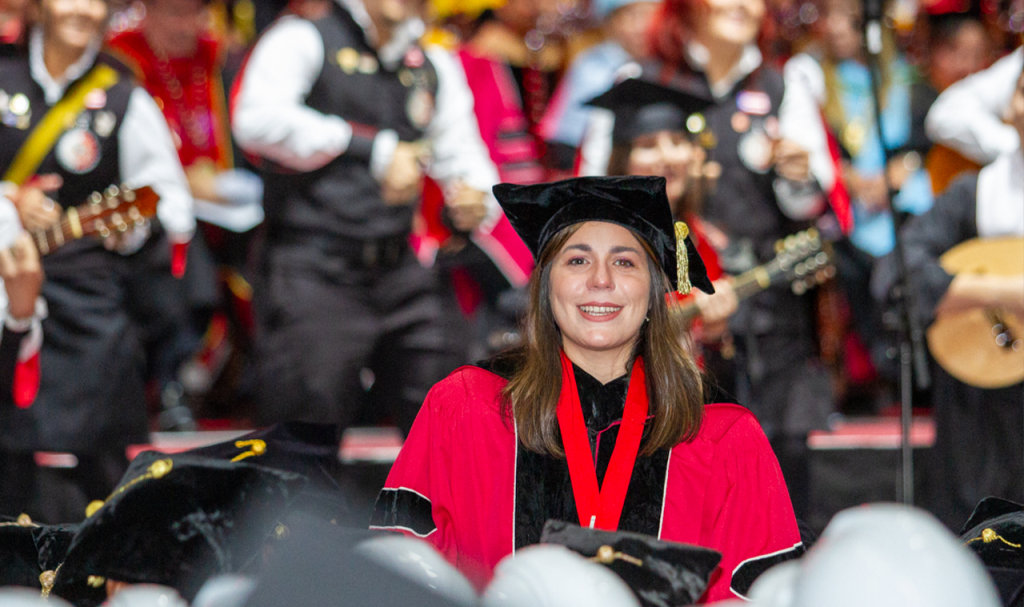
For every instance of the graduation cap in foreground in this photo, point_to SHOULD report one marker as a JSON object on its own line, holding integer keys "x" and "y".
{"x": 995, "y": 532}
{"x": 309, "y": 449}
{"x": 539, "y": 212}
{"x": 642, "y": 106}
{"x": 176, "y": 520}
{"x": 30, "y": 553}
{"x": 659, "y": 572}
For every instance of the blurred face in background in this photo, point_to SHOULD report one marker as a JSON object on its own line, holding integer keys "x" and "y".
{"x": 174, "y": 26}
{"x": 842, "y": 30}
{"x": 520, "y": 16}
{"x": 668, "y": 154}
{"x": 727, "y": 22}
{"x": 628, "y": 26}
{"x": 72, "y": 24}
{"x": 387, "y": 14}
{"x": 959, "y": 55}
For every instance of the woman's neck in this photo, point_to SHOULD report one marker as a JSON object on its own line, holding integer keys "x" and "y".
{"x": 58, "y": 58}
{"x": 722, "y": 58}
{"x": 604, "y": 366}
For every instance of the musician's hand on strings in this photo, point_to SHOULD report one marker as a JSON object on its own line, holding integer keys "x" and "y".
{"x": 403, "y": 181}
{"x": 466, "y": 208}
{"x": 716, "y": 309}
{"x": 972, "y": 291}
{"x": 22, "y": 273}
{"x": 35, "y": 208}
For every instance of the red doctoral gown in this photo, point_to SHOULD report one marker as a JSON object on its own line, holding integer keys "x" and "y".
{"x": 465, "y": 483}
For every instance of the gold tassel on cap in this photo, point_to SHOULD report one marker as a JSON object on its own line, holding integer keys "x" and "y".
{"x": 682, "y": 261}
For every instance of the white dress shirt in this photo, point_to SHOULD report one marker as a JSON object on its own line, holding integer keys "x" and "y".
{"x": 968, "y": 116}
{"x": 146, "y": 151}
{"x": 271, "y": 118}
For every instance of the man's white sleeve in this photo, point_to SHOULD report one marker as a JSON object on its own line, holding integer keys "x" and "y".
{"x": 148, "y": 157}
{"x": 968, "y": 116}
{"x": 270, "y": 117}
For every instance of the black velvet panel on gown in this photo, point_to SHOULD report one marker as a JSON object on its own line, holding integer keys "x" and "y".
{"x": 543, "y": 486}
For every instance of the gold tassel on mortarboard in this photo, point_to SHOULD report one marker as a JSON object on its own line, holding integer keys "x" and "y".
{"x": 682, "y": 261}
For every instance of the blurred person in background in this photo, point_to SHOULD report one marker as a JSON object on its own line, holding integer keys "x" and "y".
{"x": 181, "y": 63}
{"x": 625, "y": 24}
{"x": 837, "y": 74}
{"x": 349, "y": 113}
{"x": 12, "y": 25}
{"x": 110, "y": 132}
{"x": 764, "y": 131}
{"x": 979, "y": 432}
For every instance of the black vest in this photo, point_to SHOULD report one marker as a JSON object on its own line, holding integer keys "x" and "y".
{"x": 342, "y": 199}
{"x": 743, "y": 203}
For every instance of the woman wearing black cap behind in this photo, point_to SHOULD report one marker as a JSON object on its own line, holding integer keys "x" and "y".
{"x": 600, "y": 379}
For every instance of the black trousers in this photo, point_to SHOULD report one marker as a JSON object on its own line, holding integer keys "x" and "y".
{"x": 324, "y": 318}
{"x": 979, "y": 447}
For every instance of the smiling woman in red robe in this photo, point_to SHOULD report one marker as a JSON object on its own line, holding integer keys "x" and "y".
{"x": 597, "y": 418}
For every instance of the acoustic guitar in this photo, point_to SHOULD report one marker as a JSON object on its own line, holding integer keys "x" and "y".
{"x": 983, "y": 348}
{"x": 117, "y": 209}
{"x": 802, "y": 260}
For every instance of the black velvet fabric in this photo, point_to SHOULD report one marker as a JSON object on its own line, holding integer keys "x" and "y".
{"x": 307, "y": 448}
{"x": 543, "y": 486}
{"x": 26, "y": 551}
{"x": 642, "y": 106}
{"x": 1003, "y": 555}
{"x": 671, "y": 574}
{"x": 202, "y": 517}
{"x": 538, "y": 212}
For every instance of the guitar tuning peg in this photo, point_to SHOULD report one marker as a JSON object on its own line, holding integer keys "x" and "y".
{"x": 799, "y": 287}
{"x": 101, "y": 228}
{"x": 813, "y": 233}
{"x": 95, "y": 198}
{"x": 112, "y": 192}
{"x": 780, "y": 246}
{"x": 830, "y": 272}
{"x": 127, "y": 194}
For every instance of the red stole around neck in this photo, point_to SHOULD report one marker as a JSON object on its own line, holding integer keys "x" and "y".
{"x": 601, "y": 507}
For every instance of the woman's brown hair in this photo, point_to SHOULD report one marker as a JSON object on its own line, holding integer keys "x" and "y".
{"x": 674, "y": 388}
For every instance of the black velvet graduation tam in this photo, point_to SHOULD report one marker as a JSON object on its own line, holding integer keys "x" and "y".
{"x": 30, "y": 551}
{"x": 176, "y": 520}
{"x": 642, "y": 107}
{"x": 660, "y": 573}
{"x": 307, "y": 448}
{"x": 538, "y": 212}
{"x": 995, "y": 532}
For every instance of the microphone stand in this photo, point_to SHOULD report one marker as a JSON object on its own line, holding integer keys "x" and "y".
{"x": 913, "y": 356}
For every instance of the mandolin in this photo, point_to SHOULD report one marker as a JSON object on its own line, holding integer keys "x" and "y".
{"x": 802, "y": 260}
{"x": 117, "y": 209}
{"x": 983, "y": 348}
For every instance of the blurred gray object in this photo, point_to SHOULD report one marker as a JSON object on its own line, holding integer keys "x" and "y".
{"x": 882, "y": 555}
{"x": 420, "y": 562}
{"x": 23, "y": 597}
{"x": 146, "y": 595}
{"x": 225, "y": 591}
{"x": 554, "y": 576}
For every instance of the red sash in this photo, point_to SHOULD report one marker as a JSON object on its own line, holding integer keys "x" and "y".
{"x": 601, "y": 508}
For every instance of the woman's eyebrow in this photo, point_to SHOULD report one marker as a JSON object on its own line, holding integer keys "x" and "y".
{"x": 622, "y": 249}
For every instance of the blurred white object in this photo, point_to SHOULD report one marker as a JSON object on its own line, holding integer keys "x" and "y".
{"x": 23, "y": 597}
{"x": 146, "y": 595}
{"x": 420, "y": 562}
{"x": 242, "y": 210}
{"x": 883, "y": 555}
{"x": 225, "y": 591}
{"x": 554, "y": 576}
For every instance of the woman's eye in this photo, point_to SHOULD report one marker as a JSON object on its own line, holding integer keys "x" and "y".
{"x": 625, "y": 262}
{"x": 576, "y": 261}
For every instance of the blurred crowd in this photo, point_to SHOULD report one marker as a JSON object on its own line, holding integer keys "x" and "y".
{"x": 253, "y": 317}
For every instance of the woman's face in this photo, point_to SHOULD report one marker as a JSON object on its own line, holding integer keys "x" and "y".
{"x": 667, "y": 154}
{"x": 73, "y": 23}
{"x": 734, "y": 22}
{"x": 600, "y": 289}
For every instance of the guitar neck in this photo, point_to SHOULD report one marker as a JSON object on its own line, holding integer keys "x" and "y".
{"x": 68, "y": 229}
{"x": 745, "y": 285}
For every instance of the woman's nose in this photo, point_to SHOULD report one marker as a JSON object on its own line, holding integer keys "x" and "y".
{"x": 600, "y": 276}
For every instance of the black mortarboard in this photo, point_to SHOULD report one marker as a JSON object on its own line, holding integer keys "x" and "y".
{"x": 659, "y": 572}
{"x": 642, "y": 106}
{"x": 29, "y": 552}
{"x": 995, "y": 532}
{"x": 176, "y": 520}
{"x": 307, "y": 448}
{"x": 538, "y": 212}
